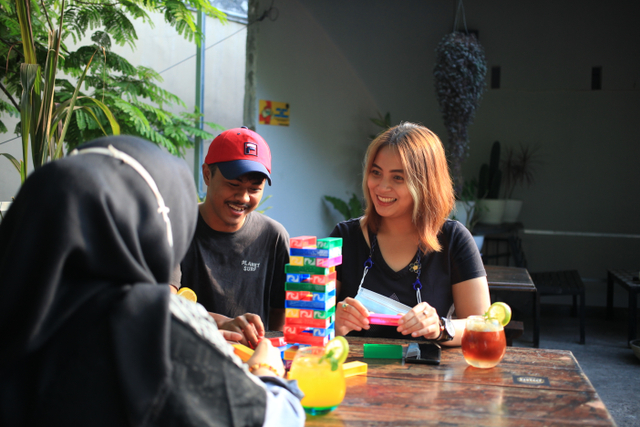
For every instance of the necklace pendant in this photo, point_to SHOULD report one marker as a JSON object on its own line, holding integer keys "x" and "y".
{"x": 414, "y": 266}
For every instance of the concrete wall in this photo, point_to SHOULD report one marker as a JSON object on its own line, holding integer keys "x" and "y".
{"x": 338, "y": 63}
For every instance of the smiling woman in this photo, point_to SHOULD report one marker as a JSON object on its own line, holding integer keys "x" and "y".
{"x": 412, "y": 254}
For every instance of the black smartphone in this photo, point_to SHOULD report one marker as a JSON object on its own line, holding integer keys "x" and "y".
{"x": 428, "y": 353}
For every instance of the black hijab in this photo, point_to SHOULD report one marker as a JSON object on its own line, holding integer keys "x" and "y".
{"x": 87, "y": 236}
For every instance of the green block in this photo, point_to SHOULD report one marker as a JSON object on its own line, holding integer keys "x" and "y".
{"x": 307, "y": 269}
{"x": 329, "y": 242}
{"x": 324, "y": 314}
{"x": 382, "y": 351}
{"x": 297, "y": 286}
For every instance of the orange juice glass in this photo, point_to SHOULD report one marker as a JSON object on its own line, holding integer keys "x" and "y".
{"x": 483, "y": 342}
{"x": 323, "y": 387}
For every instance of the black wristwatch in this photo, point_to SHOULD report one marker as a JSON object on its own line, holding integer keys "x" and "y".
{"x": 447, "y": 330}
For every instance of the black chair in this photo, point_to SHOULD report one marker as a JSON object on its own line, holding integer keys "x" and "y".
{"x": 553, "y": 283}
{"x": 567, "y": 282}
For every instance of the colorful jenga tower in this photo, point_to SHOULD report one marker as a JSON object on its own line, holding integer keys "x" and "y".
{"x": 311, "y": 290}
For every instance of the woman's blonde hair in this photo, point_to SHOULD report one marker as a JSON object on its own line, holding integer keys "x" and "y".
{"x": 427, "y": 177}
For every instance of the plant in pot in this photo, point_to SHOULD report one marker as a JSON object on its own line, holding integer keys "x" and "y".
{"x": 489, "y": 182}
{"x": 518, "y": 169}
{"x": 459, "y": 77}
{"x": 353, "y": 208}
{"x": 467, "y": 210}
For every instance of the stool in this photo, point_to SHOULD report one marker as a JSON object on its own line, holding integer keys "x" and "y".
{"x": 566, "y": 282}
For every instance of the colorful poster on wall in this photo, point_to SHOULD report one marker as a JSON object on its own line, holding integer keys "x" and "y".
{"x": 273, "y": 113}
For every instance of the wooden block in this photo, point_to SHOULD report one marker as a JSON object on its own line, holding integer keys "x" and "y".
{"x": 242, "y": 351}
{"x": 316, "y": 253}
{"x": 351, "y": 369}
{"x": 382, "y": 351}
{"x": 302, "y": 242}
{"x": 329, "y": 242}
{"x": 277, "y": 341}
{"x": 310, "y": 287}
{"x": 301, "y": 269}
{"x": 329, "y": 262}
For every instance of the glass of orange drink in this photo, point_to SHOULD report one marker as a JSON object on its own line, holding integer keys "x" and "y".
{"x": 318, "y": 371}
{"x": 483, "y": 340}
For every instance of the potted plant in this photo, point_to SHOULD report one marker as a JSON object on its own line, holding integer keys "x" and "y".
{"x": 489, "y": 183}
{"x": 459, "y": 77}
{"x": 467, "y": 210}
{"x": 353, "y": 208}
{"x": 518, "y": 169}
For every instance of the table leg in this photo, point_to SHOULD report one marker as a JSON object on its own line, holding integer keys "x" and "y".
{"x": 536, "y": 319}
{"x": 633, "y": 320}
{"x": 609, "y": 295}
{"x": 583, "y": 296}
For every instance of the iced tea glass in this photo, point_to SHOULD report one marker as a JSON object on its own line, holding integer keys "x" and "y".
{"x": 323, "y": 386}
{"x": 483, "y": 342}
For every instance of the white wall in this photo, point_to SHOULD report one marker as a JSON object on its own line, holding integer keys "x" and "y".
{"x": 321, "y": 151}
{"x": 160, "y": 48}
{"x": 9, "y": 176}
{"x": 338, "y": 62}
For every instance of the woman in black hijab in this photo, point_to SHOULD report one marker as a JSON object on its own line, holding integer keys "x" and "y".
{"x": 88, "y": 336}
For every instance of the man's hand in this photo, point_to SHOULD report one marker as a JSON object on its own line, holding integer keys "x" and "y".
{"x": 232, "y": 337}
{"x": 249, "y": 325}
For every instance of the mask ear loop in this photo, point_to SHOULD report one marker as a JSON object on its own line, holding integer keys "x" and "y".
{"x": 369, "y": 262}
{"x": 113, "y": 152}
{"x": 417, "y": 268}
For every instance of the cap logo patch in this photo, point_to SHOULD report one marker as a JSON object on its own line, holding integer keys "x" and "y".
{"x": 250, "y": 149}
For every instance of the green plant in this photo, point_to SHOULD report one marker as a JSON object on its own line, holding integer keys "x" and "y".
{"x": 468, "y": 199}
{"x": 459, "y": 77}
{"x": 490, "y": 175}
{"x": 383, "y": 122}
{"x": 260, "y": 209}
{"x": 43, "y": 122}
{"x": 518, "y": 167}
{"x": 351, "y": 209}
{"x": 106, "y": 90}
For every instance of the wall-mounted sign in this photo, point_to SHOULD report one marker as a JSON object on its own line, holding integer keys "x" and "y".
{"x": 273, "y": 113}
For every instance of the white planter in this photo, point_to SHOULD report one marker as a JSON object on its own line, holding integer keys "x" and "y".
{"x": 4, "y": 207}
{"x": 491, "y": 210}
{"x": 511, "y": 210}
{"x": 461, "y": 212}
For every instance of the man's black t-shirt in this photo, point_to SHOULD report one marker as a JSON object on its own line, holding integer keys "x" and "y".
{"x": 240, "y": 272}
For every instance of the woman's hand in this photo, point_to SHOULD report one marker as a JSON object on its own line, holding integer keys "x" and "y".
{"x": 351, "y": 315}
{"x": 265, "y": 358}
{"x": 421, "y": 321}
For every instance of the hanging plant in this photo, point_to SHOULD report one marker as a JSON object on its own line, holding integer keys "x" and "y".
{"x": 460, "y": 81}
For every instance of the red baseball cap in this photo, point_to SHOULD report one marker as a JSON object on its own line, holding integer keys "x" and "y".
{"x": 240, "y": 151}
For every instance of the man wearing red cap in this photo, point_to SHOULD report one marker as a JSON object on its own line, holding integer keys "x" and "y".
{"x": 235, "y": 263}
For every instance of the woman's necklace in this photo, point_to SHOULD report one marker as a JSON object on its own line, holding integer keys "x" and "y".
{"x": 414, "y": 267}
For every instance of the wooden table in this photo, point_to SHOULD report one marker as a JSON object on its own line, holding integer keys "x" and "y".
{"x": 625, "y": 279}
{"x": 515, "y": 279}
{"x": 530, "y": 387}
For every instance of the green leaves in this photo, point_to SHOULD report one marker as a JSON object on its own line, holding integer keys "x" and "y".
{"x": 350, "y": 209}
{"x": 459, "y": 77}
{"x": 108, "y": 95}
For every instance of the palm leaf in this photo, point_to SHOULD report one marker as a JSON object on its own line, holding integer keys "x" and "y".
{"x": 15, "y": 162}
